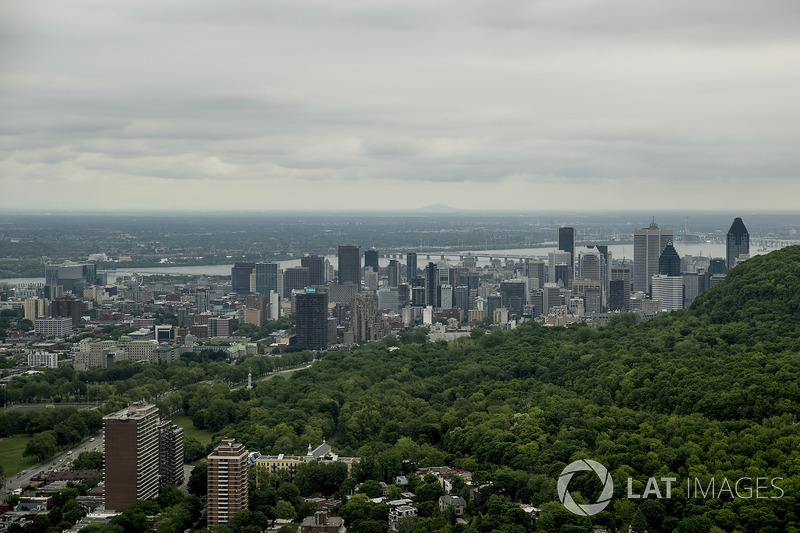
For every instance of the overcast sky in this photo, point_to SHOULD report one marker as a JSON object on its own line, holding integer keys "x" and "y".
{"x": 347, "y": 104}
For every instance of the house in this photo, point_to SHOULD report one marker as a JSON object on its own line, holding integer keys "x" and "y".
{"x": 322, "y": 523}
{"x": 456, "y": 502}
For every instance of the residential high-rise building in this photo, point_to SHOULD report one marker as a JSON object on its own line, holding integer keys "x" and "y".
{"x": 202, "y": 299}
{"x": 371, "y": 259}
{"x": 53, "y": 327}
{"x": 240, "y": 276}
{"x": 648, "y": 243}
{"x": 131, "y": 456}
{"x": 316, "y": 269}
{"x": 228, "y": 473}
{"x": 737, "y": 243}
{"x": 350, "y": 265}
{"x": 312, "y": 318}
{"x": 267, "y": 275}
{"x": 566, "y": 243}
{"x": 170, "y": 454}
{"x": 411, "y": 265}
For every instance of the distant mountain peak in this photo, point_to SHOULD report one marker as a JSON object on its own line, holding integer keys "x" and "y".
{"x": 438, "y": 208}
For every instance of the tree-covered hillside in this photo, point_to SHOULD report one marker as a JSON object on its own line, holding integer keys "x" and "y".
{"x": 711, "y": 391}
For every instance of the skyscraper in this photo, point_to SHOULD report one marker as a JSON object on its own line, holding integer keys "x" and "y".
{"x": 648, "y": 243}
{"x": 312, "y": 319}
{"x": 240, "y": 276}
{"x": 170, "y": 453}
{"x": 131, "y": 456}
{"x": 295, "y": 278}
{"x": 228, "y": 470}
{"x": 371, "y": 259}
{"x": 316, "y": 269}
{"x": 394, "y": 273}
{"x": 350, "y": 264}
{"x": 566, "y": 243}
{"x": 513, "y": 296}
{"x": 669, "y": 262}
{"x": 411, "y": 265}
{"x": 738, "y": 243}
{"x": 267, "y": 277}
{"x": 431, "y": 285}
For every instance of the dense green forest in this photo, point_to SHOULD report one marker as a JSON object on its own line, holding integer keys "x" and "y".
{"x": 708, "y": 392}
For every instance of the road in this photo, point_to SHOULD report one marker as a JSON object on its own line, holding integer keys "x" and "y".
{"x": 95, "y": 443}
{"x": 90, "y": 444}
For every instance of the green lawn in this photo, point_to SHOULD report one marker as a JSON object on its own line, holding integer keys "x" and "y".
{"x": 11, "y": 458}
{"x": 34, "y": 407}
{"x": 189, "y": 430}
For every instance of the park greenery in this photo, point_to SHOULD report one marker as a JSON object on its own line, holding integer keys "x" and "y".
{"x": 710, "y": 392}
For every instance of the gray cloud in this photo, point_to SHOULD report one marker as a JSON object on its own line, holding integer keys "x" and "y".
{"x": 391, "y": 103}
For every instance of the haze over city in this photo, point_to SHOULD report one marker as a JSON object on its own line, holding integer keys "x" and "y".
{"x": 318, "y": 105}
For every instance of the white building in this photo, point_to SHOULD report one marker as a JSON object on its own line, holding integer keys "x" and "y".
{"x": 45, "y": 359}
{"x": 53, "y": 327}
{"x": 669, "y": 291}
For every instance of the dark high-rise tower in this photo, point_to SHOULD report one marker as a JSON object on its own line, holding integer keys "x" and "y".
{"x": 738, "y": 243}
{"x": 312, "y": 319}
{"x": 566, "y": 243}
{"x": 316, "y": 269}
{"x": 669, "y": 262}
{"x": 394, "y": 273}
{"x": 431, "y": 285}
{"x": 240, "y": 276}
{"x": 371, "y": 259}
{"x": 350, "y": 264}
{"x": 411, "y": 266}
{"x": 267, "y": 277}
{"x": 295, "y": 278}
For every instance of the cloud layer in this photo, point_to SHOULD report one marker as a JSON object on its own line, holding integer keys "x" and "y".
{"x": 380, "y": 104}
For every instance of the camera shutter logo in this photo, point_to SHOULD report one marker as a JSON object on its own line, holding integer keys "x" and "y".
{"x": 585, "y": 465}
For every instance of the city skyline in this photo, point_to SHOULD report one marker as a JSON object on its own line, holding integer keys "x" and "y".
{"x": 155, "y": 106}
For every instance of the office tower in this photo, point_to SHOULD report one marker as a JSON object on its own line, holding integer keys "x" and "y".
{"x": 617, "y": 295}
{"x": 431, "y": 277}
{"x": 566, "y": 243}
{"x": 371, "y": 259}
{"x": 312, "y": 319}
{"x": 366, "y": 323}
{"x": 394, "y": 273}
{"x": 558, "y": 258}
{"x": 461, "y": 297}
{"x": 669, "y": 262}
{"x": 295, "y": 278}
{"x": 72, "y": 277}
{"x": 592, "y": 293}
{"x": 267, "y": 275}
{"x": 370, "y": 279}
{"x": 240, "y": 276}
{"x": 350, "y": 265}
{"x": 446, "y": 296}
{"x": 551, "y": 297}
{"x": 170, "y": 454}
{"x": 493, "y": 303}
{"x": 228, "y": 471}
{"x": 669, "y": 291}
{"x": 737, "y": 243}
{"x": 411, "y": 265}
{"x": 537, "y": 270}
{"x": 131, "y": 455}
{"x": 717, "y": 267}
{"x": 403, "y": 295}
{"x": 418, "y": 296}
{"x": 388, "y": 298}
{"x": 563, "y": 274}
{"x": 623, "y": 274}
{"x": 316, "y": 269}
{"x": 648, "y": 243}
{"x": 513, "y": 296}
{"x": 691, "y": 287}
{"x": 202, "y": 300}
{"x": 219, "y": 326}
{"x": 68, "y": 307}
